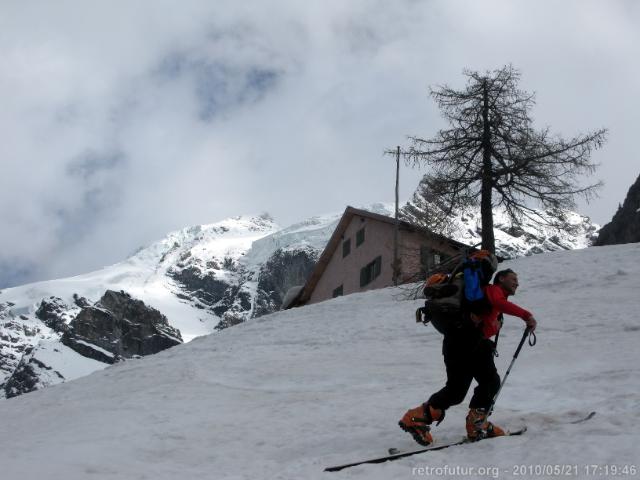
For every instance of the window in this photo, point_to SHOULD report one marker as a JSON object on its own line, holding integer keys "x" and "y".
{"x": 430, "y": 259}
{"x": 426, "y": 260}
{"x": 338, "y": 292}
{"x": 425, "y": 253}
{"x": 370, "y": 272}
{"x": 442, "y": 257}
{"x": 360, "y": 237}
{"x": 346, "y": 247}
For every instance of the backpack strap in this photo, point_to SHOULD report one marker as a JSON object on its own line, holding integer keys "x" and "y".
{"x": 495, "y": 343}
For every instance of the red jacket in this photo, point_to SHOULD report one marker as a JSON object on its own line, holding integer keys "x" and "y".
{"x": 499, "y": 304}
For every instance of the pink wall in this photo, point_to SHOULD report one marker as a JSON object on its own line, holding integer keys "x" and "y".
{"x": 346, "y": 271}
{"x": 378, "y": 241}
{"x": 410, "y": 254}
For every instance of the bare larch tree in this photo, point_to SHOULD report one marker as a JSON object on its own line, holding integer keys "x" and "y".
{"x": 491, "y": 152}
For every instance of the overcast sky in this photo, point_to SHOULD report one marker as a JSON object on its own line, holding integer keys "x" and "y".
{"x": 124, "y": 120}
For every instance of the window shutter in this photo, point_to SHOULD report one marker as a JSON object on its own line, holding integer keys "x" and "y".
{"x": 377, "y": 267}
{"x": 363, "y": 276}
{"x": 346, "y": 247}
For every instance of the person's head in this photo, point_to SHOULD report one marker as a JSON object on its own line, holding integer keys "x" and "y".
{"x": 508, "y": 280}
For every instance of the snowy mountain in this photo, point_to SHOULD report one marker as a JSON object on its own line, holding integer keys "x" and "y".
{"x": 171, "y": 277}
{"x": 193, "y": 282}
{"x": 288, "y": 394}
{"x": 540, "y": 231}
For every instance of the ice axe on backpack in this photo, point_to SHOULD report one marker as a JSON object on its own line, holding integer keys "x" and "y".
{"x": 532, "y": 341}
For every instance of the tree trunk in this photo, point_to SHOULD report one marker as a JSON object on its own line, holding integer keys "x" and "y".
{"x": 486, "y": 211}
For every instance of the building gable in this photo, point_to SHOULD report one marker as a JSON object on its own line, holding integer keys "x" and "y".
{"x": 359, "y": 255}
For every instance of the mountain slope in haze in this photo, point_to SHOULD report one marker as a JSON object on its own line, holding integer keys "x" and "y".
{"x": 290, "y": 393}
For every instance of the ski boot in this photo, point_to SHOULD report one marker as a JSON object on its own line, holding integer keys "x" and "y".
{"x": 478, "y": 427}
{"x": 417, "y": 420}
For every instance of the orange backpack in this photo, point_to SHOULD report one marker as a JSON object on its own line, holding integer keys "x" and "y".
{"x": 450, "y": 298}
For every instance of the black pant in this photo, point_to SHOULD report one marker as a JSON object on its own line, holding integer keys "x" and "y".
{"x": 467, "y": 356}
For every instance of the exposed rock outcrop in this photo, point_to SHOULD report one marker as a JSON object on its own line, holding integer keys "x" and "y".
{"x": 119, "y": 326}
{"x": 30, "y": 375}
{"x": 625, "y": 225}
{"x": 17, "y": 338}
{"x": 81, "y": 302}
{"x": 199, "y": 285}
{"x": 283, "y": 270}
{"x": 227, "y": 298}
{"x": 54, "y": 313}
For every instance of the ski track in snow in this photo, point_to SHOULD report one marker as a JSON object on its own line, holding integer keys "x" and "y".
{"x": 288, "y": 394}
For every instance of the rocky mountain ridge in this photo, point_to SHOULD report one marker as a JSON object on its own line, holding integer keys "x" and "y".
{"x": 624, "y": 227}
{"x": 116, "y": 327}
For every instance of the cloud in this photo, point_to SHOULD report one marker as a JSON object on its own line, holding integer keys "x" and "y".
{"x": 218, "y": 86}
{"x": 121, "y": 123}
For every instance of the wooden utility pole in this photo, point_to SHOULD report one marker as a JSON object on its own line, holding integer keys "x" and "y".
{"x": 395, "y": 228}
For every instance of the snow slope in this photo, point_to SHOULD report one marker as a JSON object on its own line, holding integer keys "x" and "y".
{"x": 285, "y": 395}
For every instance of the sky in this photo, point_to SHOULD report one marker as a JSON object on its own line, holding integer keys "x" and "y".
{"x": 122, "y": 121}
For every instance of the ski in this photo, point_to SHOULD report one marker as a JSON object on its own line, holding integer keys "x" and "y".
{"x": 584, "y": 419}
{"x": 396, "y": 456}
{"x": 396, "y": 451}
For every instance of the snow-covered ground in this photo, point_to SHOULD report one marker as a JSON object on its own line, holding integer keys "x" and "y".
{"x": 285, "y": 395}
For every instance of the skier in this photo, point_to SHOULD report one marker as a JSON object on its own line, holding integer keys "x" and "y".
{"x": 469, "y": 354}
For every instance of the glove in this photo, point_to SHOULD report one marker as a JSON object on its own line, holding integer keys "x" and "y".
{"x": 531, "y": 323}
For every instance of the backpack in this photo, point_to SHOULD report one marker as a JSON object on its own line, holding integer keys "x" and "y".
{"x": 452, "y": 298}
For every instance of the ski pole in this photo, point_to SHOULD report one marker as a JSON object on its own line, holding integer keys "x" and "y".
{"x": 527, "y": 332}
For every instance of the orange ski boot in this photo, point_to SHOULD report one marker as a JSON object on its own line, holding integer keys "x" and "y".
{"x": 478, "y": 427}
{"x": 417, "y": 420}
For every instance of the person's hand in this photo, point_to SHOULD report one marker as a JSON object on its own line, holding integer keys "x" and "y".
{"x": 531, "y": 323}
